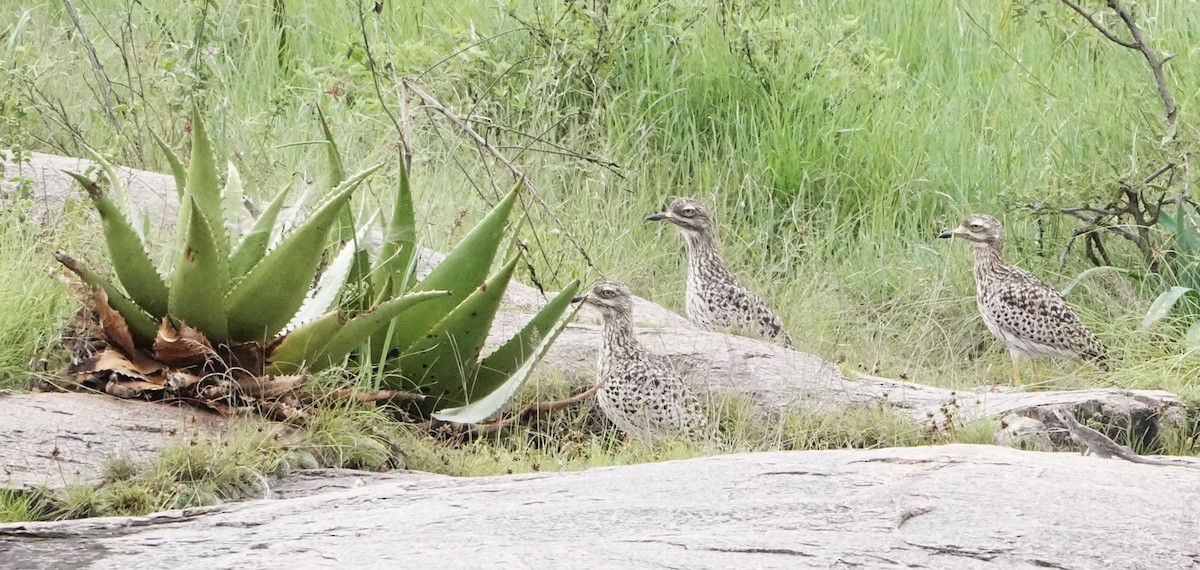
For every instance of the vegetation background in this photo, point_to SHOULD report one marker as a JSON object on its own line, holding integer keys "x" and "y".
{"x": 834, "y": 139}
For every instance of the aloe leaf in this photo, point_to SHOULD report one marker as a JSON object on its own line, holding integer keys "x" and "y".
{"x": 1088, "y": 273}
{"x": 328, "y": 340}
{"x": 337, "y": 173}
{"x": 444, "y": 361}
{"x": 322, "y": 297}
{"x": 1162, "y": 305}
{"x": 253, "y": 246}
{"x": 201, "y": 278}
{"x": 503, "y": 362}
{"x": 271, "y": 292}
{"x": 178, "y": 170}
{"x": 301, "y": 346}
{"x": 398, "y": 250}
{"x": 142, "y": 326}
{"x": 203, "y": 185}
{"x": 462, "y": 271}
{"x": 232, "y": 198}
{"x": 486, "y": 406}
{"x": 120, "y": 195}
{"x": 130, "y": 261}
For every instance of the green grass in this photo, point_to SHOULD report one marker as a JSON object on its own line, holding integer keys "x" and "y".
{"x": 833, "y": 140}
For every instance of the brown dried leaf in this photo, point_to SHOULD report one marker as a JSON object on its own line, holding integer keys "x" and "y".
{"x": 183, "y": 347}
{"x": 181, "y": 382}
{"x": 109, "y": 361}
{"x": 112, "y": 323}
{"x": 117, "y": 332}
{"x": 247, "y": 356}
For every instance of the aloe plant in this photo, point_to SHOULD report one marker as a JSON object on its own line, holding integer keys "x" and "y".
{"x": 235, "y": 305}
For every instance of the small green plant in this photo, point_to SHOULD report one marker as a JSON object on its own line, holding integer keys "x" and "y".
{"x": 1183, "y": 265}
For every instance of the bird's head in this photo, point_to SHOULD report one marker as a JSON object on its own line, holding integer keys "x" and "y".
{"x": 610, "y": 297}
{"x": 689, "y": 214}
{"x": 981, "y": 230}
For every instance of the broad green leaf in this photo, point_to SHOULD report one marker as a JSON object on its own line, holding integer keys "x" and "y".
{"x": 203, "y": 185}
{"x": 399, "y": 248}
{"x": 1088, "y": 273}
{"x": 1162, "y": 305}
{"x": 360, "y": 328}
{"x": 253, "y": 246}
{"x": 130, "y": 261}
{"x": 178, "y": 170}
{"x": 271, "y": 292}
{"x": 300, "y": 347}
{"x": 503, "y": 362}
{"x": 201, "y": 278}
{"x": 1186, "y": 235}
{"x": 444, "y": 361}
{"x": 484, "y": 407}
{"x": 462, "y": 271}
{"x": 1192, "y": 338}
{"x": 142, "y": 327}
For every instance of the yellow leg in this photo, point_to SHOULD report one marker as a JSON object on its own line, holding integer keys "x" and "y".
{"x": 1033, "y": 372}
{"x": 1016, "y": 370}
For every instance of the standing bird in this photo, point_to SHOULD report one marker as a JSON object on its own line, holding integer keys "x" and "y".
{"x": 639, "y": 391}
{"x": 716, "y": 301}
{"x": 1026, "y": 315}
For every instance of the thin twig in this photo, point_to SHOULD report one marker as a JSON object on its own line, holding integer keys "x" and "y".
{"x": 1138, "y": 44}
{"x": 432, "y": 103}
{"x": 106, "y": 92}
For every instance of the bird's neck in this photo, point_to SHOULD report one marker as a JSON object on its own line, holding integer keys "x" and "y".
{"x": 989, "y": 262}
{"x": 704, "y": 256}
{"x": 619, "y": 339}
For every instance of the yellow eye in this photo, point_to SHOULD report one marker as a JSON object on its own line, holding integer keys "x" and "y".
{"x": 976, "y": 227}
{"x": 607, "y": 293}
{"x": 688, "y": 212}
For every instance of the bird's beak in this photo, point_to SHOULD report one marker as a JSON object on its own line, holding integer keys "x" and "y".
{"x": 948, "y": 234}
{"x": 579, "y": 299}
{"x": 660, "y": 216}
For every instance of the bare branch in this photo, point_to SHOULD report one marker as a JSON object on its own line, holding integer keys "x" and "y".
{"x": 431, "y": 103}
{"x": 1099, "y": 27}
{"x": 1138, "y": 44}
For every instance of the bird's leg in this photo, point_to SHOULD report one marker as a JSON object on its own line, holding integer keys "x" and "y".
{"x": 1016, "y": 370}
{"x": 1033, "y": 372}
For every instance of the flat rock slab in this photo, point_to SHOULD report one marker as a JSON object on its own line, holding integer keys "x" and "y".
{"x": 56, "y": 439}
{"x": 955, "y": 506}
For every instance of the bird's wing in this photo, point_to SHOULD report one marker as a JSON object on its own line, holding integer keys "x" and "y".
{"x": 1032, "y": 310}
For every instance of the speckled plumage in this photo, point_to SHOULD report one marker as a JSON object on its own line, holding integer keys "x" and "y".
{"x": 715, "y": 300}
{"x": 1028, "y": 316}
{"x": 640, "y": 392}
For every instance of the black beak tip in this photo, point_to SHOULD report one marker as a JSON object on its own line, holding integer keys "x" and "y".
{"x": 578, "y": 299}
{"x": 946, "y": 234}
{"x": 655, "y": 217}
